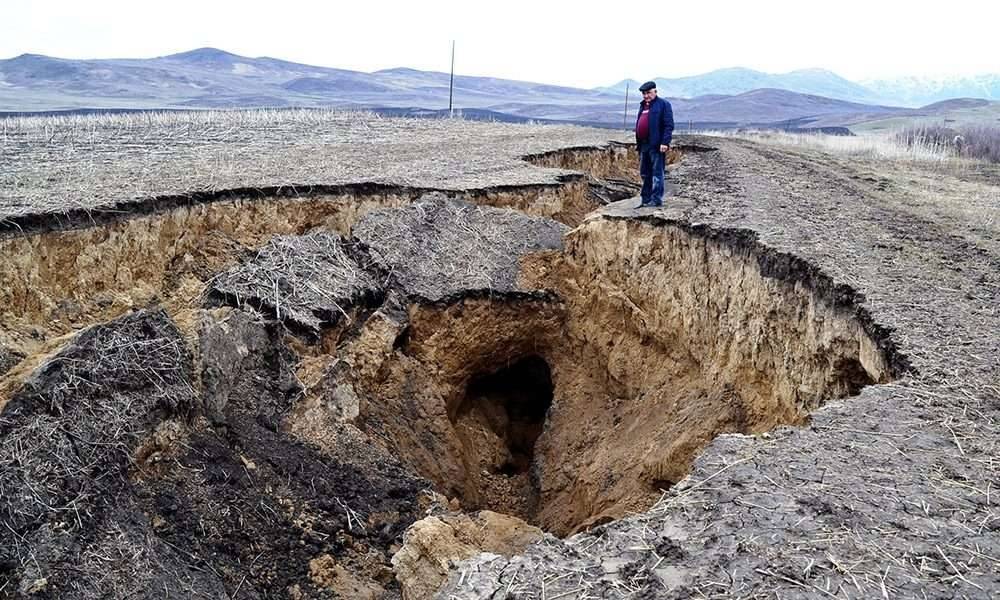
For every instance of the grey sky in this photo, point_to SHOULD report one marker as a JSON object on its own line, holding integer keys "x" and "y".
{"x": 572, "y": 43}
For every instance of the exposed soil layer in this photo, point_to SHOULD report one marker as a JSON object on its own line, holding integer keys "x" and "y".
{"x": 89, "y": 267}
{"x": 616, "y": 163}
{"x": 279, "y": 441}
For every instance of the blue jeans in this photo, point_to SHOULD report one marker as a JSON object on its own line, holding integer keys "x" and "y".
{"x": 651, "y": 169}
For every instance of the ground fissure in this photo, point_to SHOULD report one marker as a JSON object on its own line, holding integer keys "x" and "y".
{"x": 569, "y": 387}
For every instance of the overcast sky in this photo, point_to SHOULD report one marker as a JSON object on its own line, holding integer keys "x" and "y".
{"x": 570, "y": 43}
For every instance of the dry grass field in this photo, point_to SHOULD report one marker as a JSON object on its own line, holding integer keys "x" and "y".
{"x": 55, "y": 164}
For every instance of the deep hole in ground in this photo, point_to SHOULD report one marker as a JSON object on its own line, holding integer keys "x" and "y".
{"x": 657, "y": 337}
{"x": 498, "y": 422}
{"x": 568, "y": 388}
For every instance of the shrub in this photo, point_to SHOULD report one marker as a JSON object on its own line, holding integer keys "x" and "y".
{"x": 981, "y": 142}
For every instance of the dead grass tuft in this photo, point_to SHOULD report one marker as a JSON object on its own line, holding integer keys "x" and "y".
{"x": 311, "y": 281}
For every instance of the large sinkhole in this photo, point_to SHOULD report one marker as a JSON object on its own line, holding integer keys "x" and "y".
{"x": 583, "y": 404}
{"x": 497, "y": 422}
{"x": 571, "y": 386}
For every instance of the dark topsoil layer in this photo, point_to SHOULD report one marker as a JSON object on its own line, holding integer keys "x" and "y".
{"x": 117, "y": 479}
{"x": 309, "y": 281}
{"x": 438, "y": 247}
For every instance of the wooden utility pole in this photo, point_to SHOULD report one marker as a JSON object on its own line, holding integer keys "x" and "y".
{"x": 625, "y": 117}
{"x": 451, "y": 82}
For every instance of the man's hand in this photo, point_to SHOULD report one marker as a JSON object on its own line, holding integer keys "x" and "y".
{"x": 664, "y": 148}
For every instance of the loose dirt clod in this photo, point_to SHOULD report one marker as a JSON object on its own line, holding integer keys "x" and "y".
{"x": 9, "y": 358}
{"x": 433, "y": 544}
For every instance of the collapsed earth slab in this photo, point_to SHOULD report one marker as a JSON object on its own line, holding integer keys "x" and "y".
{"x": 439, "y": 247}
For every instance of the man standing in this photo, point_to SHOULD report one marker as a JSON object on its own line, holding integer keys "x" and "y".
{"x": 654, "y": 129}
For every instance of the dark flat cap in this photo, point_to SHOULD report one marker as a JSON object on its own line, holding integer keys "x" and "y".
{"x": 649, "y": 85}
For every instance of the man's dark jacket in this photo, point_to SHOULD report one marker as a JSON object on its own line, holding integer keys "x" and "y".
{"x": 661, "y": 122}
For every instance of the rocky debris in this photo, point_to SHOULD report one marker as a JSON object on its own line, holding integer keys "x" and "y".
{"x": 310, "y": 281}
{"x": 433, "y": 544}
{"x": 437, "y": 247}
{"x": 9, "y": 358}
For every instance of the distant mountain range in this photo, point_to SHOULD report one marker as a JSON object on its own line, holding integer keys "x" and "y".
{"x": 919, "y": 91}
{"x": 211, "y": 78}
{"x": 816, "y": 82}
{"x": 904, "y": 91}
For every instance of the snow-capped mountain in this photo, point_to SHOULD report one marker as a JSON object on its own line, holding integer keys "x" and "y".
{"x": 737, "y": 80}
{"x": 919, "y": 91}
{"x": 900, "y": 91}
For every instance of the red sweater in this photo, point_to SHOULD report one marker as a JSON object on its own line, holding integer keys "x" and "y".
{"x": 642, "y": 127}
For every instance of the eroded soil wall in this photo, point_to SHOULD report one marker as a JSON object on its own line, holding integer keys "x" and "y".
{"x": 674, "y": 335}
{"x": 62, "y": 277}
{"x": 658, "y": 337}
{"x": 618, "y": 161}
{"x": 87, "y": 269}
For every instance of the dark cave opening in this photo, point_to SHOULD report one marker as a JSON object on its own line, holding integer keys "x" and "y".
{"x": 498, "y": 422}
